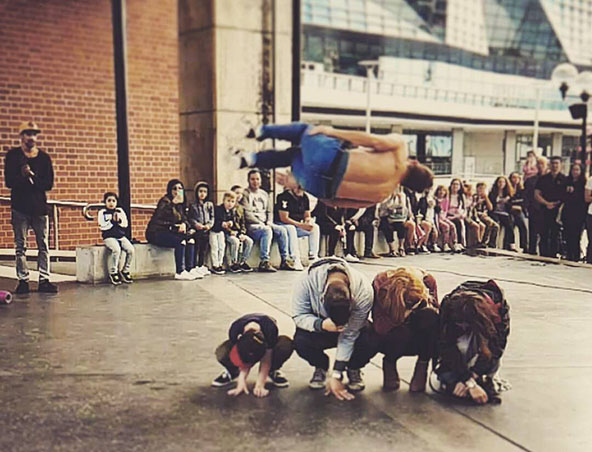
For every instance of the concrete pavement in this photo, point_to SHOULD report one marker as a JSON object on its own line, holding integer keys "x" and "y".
{"x": 129, "y": 368}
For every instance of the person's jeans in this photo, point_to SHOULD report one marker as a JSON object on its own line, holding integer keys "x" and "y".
{"x": 550, "y": 233}
{"x": 234, "y": 244}
{"x": 202, "y": 240}
{"x": 505, "y": 221}
{"x": 21, "y": 224}
{"x": 535, "y": 228}
{"x": 217, "y": 248}
{"x": 263, "y": 234}
{"x": 280, "y": 354}
{"x": 311, "y": 346}
{"x": 294, "y": 233}
{"x": 116, "y": 246}
{"x": 281, "y": 236}
{"x": 520, "y": 221}
{"x": 168, "y": 239}
{"x": 589, "y": 231}
{"x": 573, "y": 226}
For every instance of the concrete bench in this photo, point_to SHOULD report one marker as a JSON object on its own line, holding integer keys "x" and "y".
{"x": 149, "y": 261}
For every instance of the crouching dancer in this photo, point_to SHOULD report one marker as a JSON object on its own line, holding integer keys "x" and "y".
{"x": 324, "y": 166}
{"x": 405, "y": 323}
{"x": 330, "y": 306}
{"x": 253, "y": 338}
{"x": 474, "y": 329}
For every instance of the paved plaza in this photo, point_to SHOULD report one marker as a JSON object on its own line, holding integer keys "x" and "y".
{"x": 129, "y": 368}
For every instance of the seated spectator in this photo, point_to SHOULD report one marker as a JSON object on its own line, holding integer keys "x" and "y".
{"x": 113, "y": 223}
{"x": 574, "y": 211}
{"x": 427, "y": 214}
{"x": 292, "y": 212}
{"x": 201, "y": 220}
{"x": 530, "y": 167}
{"x": 394, "y": 213}
{"x": 483, "y": 206}
{"x": 474, "y": 329}
{"x": 239, "y": 242}
{"x": 168, "y": 228}
{"x": 476, "y": 228}
{"x": 260, "y": 225}
{"x": 253, "y": 338}
{"x": 363, "y": 220}
{"x": 405, "y": 323}
{"x": 414, "y": 231}
{"x": 517, "y": 209}
{"x": 222, "y": 229}
{"x": 331, "y": 223}
{"x": 457, "y": 211}
{"x": 500, "y": 196}
{"x": 447, "y": 227}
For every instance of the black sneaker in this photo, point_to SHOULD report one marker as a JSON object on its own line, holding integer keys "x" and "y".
{"x": 278, "y": 379}
{"x": 355, "y": 382}
{"x": 224, "y": 379}
{"x": 245, "y": 267}
{"x": 126, "y": 277}
{"x": 234, "y": 268}
{"x": 319, "y": 378}
{"x": 47, "y": 287}
{"x": 218, "y": 271}
{"x": 287, "y": 264}
{"x": 22, "y": 288}
{"x": 266, "y": 267}
{"x": 115, "y": 279}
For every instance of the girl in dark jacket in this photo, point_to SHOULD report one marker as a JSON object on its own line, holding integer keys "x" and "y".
{"x": 169, "y": 226}
{"x": 517, "y": 203}
{"x": 574, "y": 211}
{"x": 500, "y": 196}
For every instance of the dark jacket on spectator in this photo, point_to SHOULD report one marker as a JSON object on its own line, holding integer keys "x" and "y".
{"x": 238, "y": 223}
{"x": 221, "y": 215}
{"x": 166, "y": 217}
{"x": 201, "y": 212}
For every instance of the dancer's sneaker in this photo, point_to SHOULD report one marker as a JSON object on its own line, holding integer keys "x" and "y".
{"x": 278, "y": 379}
{"x": 355, "y": 382}
{"x": 319, "y": 377}
{"x": 224, "y": 379}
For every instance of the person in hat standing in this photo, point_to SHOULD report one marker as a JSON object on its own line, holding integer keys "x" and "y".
{"x": 253, "y": 338}
{"x": 28, "y": 173}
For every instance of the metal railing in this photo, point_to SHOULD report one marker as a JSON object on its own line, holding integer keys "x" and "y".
{"x": 84, "y": 206}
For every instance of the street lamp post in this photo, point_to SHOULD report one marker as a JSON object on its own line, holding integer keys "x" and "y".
{"x": 567, "y": 78}
{"x": 369, "y": 65}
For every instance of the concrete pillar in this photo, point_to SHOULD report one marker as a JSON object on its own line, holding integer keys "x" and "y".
{"x": 226, "y": 73}
{"x": 556, "y": 143}
{"x": 510, "y": 152}
{"x": 458, "y": 151}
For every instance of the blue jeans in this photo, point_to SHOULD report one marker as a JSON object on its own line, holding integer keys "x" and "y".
{"x": 21, "y": 224}
{"x": 295, "y": 233}
{"x": 168, "y": 239}
{"x": 265, "y": 234}
{"x": 116, "y": 246}
{"x": 317, "y": 161}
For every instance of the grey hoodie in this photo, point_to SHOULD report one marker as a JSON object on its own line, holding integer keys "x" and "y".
{"x": 308, "y": 310}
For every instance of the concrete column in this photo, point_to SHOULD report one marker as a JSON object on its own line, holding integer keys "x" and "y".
{"x": 226, "y": 51}
{"x": 510, "y": 152}
{"x": 458, "y": 151}
{"x": 556, "y": 143}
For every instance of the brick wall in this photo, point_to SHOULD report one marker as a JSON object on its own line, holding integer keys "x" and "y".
{"x": 61, "y": 76}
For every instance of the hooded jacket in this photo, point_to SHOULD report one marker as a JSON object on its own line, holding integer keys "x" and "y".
{"x": 167, "y": 215}
{"x": 308, "y": 310}
{"x": 201, "y": 212}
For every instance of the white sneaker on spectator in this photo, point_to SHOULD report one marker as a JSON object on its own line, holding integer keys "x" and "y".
{"x": 436, "y": 249}
{"x": 197, "y": 273}
{"x": 298, "y": 265}
{"x": 184, "y": 276}
{"x": 446, "y": 248}
{"x": 312, "y": 259}
{"x": 352, "y": 258}
{"x": 458, "y": 248}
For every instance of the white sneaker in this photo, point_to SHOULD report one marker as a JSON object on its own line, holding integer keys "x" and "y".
{"x": 298, "y": 265}
{"x": 458, "y": 247}
{"x": 184, "y": 276}
{"x": 352, "y": 258}
{"x": 204, "y": 270}
{"x": 446, "y": 248}
{"x": 436, "y": 249}
{"x": 196, "y": 272}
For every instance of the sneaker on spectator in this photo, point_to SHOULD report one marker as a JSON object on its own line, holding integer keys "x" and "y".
{"x": 446, "y": 248}
{"x": 126, "y": 277}
{"x": 224, "y": 379}
{"x": 513, "y": 247}
{"x": 197, "y": 273}
{"x": 298, "y": 265}
{"x": 411, "y": 251}
{"x": 235, "y": 268}
{"x": 287, "y": 264}
{"x": 184, "y": 276}
{"x": 204, "y": 270}
{"x": 319, "y": 377}
{"x": 436, "y": 249}
{"x": 246, "y": 268}
{"x": 265, "y": 266}
{"x": 115, "y": 279}
{"x": 402, "y": 253}
{"x": 458, "y": 248}
{"x": 22, "y": 287}
{"x": 352, "y": 258}
{"x": 371, "y": 255}
{"x": 47, "y": 287}
{"x": 278, "y": 379}
{"x": 218, "y": 270}
{"x": 355, "y": 382}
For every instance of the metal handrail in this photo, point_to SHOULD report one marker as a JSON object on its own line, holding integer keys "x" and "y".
{"x": 100, "y": 205}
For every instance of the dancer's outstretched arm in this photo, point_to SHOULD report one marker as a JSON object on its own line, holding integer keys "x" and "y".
{"x": 379, "y": 143}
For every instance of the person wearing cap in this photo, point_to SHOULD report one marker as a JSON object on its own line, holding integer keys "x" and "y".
{"x": 253, "y": 338}
{"x": 28, "y": 173}
{"x": 330, "y": 307}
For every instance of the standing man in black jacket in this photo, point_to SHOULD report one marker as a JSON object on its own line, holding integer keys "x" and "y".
{"x": 28, "y": 174}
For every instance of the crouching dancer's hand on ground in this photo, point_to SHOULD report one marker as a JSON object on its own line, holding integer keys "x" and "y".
{"x": 241, "y": 384}
{"x": 338, "y": 389}
{"x": 478, "y": 395}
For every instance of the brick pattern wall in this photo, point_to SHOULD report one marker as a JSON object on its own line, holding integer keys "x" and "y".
{"x": 61, "y": 76}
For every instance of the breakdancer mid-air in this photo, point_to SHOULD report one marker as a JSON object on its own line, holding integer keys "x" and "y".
{"x": 341, "y": 167}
